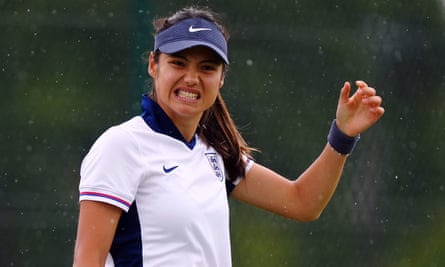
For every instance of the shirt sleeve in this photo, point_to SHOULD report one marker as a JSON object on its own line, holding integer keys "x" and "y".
{"x": 111, "y": 170}
{"x": 231, "y": 185}
{"x": 249, "y": 163}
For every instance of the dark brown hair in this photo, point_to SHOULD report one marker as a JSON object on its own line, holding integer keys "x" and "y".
{"x": 216, "y": 126}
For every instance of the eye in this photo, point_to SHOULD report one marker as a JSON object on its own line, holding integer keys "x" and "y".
{"x": 209, "y": 67}
{"x": 177, "y": 62}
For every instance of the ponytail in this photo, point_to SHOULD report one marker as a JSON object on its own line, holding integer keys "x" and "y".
{"x": 218, "y": 130}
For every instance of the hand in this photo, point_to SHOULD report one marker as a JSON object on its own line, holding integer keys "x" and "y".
{"x": 357, "y": 113}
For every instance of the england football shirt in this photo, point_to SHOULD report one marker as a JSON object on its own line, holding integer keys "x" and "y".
{"x": 173, "y": 193}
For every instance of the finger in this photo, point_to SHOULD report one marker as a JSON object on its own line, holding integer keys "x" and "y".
{"x": 372, "y": 100}
{"x": 361, "y": 84}
{"x": 367, "y": 91}
{"x": 378, "y": 111}
{"x": 345, "y": 92}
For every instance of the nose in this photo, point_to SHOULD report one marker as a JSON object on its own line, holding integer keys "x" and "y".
{"x": 191, "y": 77}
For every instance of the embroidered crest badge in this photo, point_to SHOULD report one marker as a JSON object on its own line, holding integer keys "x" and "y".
{"x": 213, "y": 161}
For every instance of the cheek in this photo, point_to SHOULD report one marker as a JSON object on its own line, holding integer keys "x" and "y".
{"x": 164, "y": 81}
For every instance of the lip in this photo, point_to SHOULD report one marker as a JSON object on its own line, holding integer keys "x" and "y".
{"x": 187, "y": 95}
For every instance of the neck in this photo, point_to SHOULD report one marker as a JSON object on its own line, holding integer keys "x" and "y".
{"x": 187, "y": 127}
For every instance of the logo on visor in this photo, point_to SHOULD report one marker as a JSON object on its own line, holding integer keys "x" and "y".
{"x": 191, "y": 29}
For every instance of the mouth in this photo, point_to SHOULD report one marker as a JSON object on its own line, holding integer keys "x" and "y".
{"x": 187, "y": 95}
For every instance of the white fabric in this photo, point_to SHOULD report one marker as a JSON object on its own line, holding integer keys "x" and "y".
{"x": 183, "y": 211}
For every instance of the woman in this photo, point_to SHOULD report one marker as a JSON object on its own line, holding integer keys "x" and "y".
{"x": 153, "y": 190}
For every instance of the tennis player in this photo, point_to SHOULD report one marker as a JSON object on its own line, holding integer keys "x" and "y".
{"x": 154, "y": 190}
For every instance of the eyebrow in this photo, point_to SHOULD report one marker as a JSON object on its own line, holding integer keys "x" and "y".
{"x": 215, "y": 60}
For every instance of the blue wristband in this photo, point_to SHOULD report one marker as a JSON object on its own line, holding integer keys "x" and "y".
{"x": 341, "y": 142}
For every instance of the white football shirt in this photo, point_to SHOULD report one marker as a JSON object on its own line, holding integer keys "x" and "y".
{"x": 173, "y": 193}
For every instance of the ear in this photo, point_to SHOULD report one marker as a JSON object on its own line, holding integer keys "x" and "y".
{"x": 221, "y": 82}
{"x": 151, "y": 66}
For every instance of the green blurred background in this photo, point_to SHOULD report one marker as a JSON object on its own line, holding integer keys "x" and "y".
{"x": 71, "y": 69}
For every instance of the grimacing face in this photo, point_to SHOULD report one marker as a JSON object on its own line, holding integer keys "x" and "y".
{"x": 187, "y": 83}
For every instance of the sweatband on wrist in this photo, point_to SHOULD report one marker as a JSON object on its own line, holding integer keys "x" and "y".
{"x": 340, "y": 142}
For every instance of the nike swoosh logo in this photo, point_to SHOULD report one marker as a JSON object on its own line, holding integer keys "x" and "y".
{"x": 191, "y": 29}
{"x": 168, "y": 170}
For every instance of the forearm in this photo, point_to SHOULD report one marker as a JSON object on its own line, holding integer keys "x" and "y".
{"x": 354, "y": 115}
{"x": 317, "y": 184}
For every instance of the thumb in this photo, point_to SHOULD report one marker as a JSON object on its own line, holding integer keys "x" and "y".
{"x": 344, "y": 93}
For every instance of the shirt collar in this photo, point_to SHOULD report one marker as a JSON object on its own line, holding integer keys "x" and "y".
{"x": 159, "y": 122}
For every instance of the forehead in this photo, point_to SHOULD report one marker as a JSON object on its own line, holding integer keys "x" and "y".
{"x": 201, "y": 52}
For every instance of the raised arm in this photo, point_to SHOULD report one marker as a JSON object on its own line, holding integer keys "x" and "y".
{"x": 305, "y": 198}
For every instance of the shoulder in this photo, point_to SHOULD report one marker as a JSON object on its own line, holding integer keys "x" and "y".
{"x": 125, "y": 131}
{"x": 120, "y": 138}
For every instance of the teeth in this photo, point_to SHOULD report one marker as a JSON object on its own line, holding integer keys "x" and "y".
{"x": 187, "y": 94}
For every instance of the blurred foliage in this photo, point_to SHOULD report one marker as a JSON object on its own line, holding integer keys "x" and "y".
{"x": 69, "y": 70}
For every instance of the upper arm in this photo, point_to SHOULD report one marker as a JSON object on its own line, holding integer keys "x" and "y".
{"x": 268, "y": 190}
{"x": 301, "y": 199}
{"x": 95, "y": 232}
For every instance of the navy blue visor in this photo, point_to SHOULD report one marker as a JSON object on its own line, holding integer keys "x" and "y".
{"x": 189, "y": 33}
